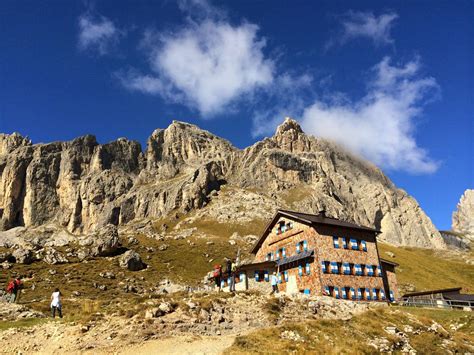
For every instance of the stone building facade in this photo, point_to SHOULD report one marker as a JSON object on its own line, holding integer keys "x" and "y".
{"x": 315, "y": 254}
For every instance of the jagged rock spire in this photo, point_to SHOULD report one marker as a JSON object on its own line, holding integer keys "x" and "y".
{"x": 287, "y": 125}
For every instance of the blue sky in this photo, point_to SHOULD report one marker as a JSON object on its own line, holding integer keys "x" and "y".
{"x": 392, "y": 81}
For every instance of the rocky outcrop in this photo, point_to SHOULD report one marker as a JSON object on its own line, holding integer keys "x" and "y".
{"x": 83, "y": 186}
{"x": 463, "y": 217}
{"x": 132, "y": 261}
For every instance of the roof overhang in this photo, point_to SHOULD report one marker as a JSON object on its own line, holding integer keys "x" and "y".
{"x": 431, "y": 292}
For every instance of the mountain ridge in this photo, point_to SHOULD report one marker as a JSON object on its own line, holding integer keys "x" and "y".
{"x": 82, "y": 185}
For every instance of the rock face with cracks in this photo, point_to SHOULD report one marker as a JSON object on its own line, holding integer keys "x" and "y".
{"x": 463, "y": 217}
{"x": 83, "y": 186}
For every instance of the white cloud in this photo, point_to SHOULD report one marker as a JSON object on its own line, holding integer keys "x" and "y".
{"x": 379, "y": 127}
{"x": 97, "y": 33}
{"x": 206, "y": 65}
{"x": 366, "y": 25}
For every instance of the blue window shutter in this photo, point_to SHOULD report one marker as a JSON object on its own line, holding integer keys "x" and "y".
{"x": 344, "y": 243}
{"x": 286, "y": 276}
{"x": 379, "y": 270}
{"x": 392, "y": 298}
{"x": 336, "y": 292}
{"x": 305, "y": 245}
{"x": 364, "y": 245}
{"x": 326, "y": 289}
{"x": 323, "y": 266}
{"x": 271, "y": 256}
{"x": 367, "y": 293}
{"x": 335, "y": 241}
{"x": 343, "y": 293}
{"x": 374, "y": 294}
{"x": 257, "y": 276}
{"x": 300, "y": 270}
{"x": 308, "y": 268}
{"x": 267, "y": 277}
{"x": 283, "y": 252}
{"x": 353, "y": 296}
{"x": 298, "y": 247}
{"x": 353, "y": 244}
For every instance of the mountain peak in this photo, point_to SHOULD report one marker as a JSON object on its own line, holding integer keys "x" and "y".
{"x": 289, "y": 124}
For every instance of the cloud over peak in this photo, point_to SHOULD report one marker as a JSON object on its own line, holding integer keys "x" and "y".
{"x": 380, "y": 126}
{"x": 206, "y": 65}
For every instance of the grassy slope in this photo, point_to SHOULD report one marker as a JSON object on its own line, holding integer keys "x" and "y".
{"x": 428, "y": 269}
{"x": 351, "y": 337}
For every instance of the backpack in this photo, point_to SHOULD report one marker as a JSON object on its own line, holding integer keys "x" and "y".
{"x": 11, "y": 286}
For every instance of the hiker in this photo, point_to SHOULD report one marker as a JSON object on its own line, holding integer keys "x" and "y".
{"x": 233, "y": 269}
{"x": 217, "y": 276}
{"x": 274, "y": 283}
{"x": 13, "y": 289}
{"x": 56, "y": 303}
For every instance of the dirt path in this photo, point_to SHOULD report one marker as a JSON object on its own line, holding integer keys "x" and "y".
{"x": 182, "y": 345}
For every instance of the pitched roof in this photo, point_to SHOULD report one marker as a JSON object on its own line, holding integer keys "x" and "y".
{"x": 309, "y": 219}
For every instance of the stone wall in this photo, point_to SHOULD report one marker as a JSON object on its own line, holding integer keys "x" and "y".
{"x": 320, "y": 239}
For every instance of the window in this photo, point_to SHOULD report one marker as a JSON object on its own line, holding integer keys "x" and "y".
{"x": 283, "y": 252}
{"x": 334, "y": 268}
{"x": 345, "y": 243}
{"x": 382, "y": 294}
{"x": 367, "y": 294}
{"x": 267, "y": 277}
{"x": 336, "y": 292}
{"x": 308, "y": 268}
{"x": 354, "y": 245}
{"x": 277, "y": 255}
{"x": 370, "y": 270}
{"x": 325, "y": 266}
{"x": 300, "y": 270}
{"x": 379, "y": 270}
{"x": 364, "y": 245}
{"x": 346, "y": 269}
{"x": 335, "y": 241}
{"x": 352, "y": 293}
{"x": 285, "y": 273}
{"x": 392, "y": 297}
{"x": 279, "y": 278}
{"x": 358, "y": 269}
{"x": 303, "y": 245}
{"x": 359, "y": 293}
{"x": 257, "y": 276}
{"x": 269, "y": 257}
{"x": 343, "y": 293}
{"x": 375, "y": 294}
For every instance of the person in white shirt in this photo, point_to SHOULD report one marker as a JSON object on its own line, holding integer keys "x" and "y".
{"x": 56, "y": 303}
{"x": 274, "y": 283}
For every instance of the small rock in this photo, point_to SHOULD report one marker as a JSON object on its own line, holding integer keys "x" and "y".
{"x": 390, "y": 254}
{"x": 163, "y": 247}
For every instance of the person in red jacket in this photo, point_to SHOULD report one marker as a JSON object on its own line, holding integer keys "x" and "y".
{"x": 13, "y": 289}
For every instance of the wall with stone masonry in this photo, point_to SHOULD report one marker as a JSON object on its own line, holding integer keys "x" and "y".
{"x": 320, "y": 239}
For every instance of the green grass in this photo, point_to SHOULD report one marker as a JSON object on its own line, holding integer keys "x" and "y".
{"x": 23, "y": 323}
{"x": 352, "y": 337}
{"x": 429, "y": 269}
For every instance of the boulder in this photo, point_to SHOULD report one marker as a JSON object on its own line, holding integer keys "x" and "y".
{"x": 23, "y": 256}
{"x": 106, "y": 241}
{"x": 132, "y": 261}
{"x": 52, "y": 257}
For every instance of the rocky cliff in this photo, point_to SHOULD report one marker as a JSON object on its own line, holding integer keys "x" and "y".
{"x": 463, "y": 217}
{"x": 83, "y": 185}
